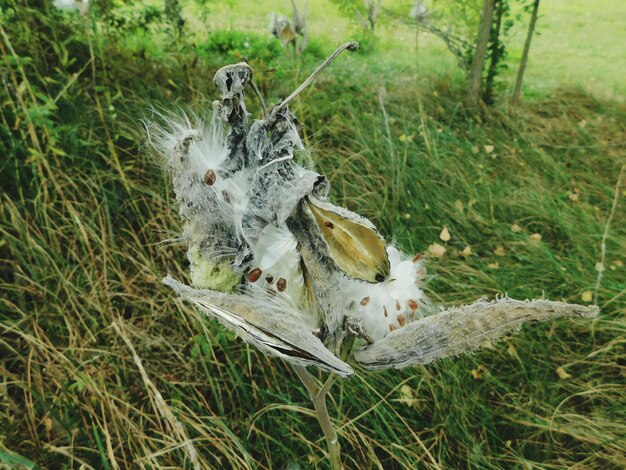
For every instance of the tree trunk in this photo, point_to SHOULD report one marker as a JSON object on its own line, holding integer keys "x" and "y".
{"x": 496, "y": 52}
{"x": 299, "y": 25}
{"x": 478, "y": 62}
{"x": 522, "y": 65}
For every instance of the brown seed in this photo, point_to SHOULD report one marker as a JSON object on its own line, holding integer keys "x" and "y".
{"x": 401, "y": 319}
{"x": 398, "y": 306}
{"x": 392, "y": 327}
{"x": 385, "y": 311}
{"x": 210, "y": 177}
{"x": 417, "y": 258}
{"x": 269, "y": 279}
{"x": 330, "y": 225}
{"x": 412, "y": 305}
{"x": 227, "y": 197}
{"x": 365, "y": 301}
{"x": 281, "y": 284}
{"x": 254, "y": 275}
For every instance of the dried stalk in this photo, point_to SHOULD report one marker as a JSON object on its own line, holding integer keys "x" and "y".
{"x": 318, "y": 397}
{"x": 351, "y": 46}
{"x": 600, "y": 265}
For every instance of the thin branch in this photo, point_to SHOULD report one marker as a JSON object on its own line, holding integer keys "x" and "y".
{"x": 600, "y": 265}
{"x": 351, "y": 46}
{"x": 381, "y": 92}
{"x": 524, "y": 60}
{"x": 260, "y": 97}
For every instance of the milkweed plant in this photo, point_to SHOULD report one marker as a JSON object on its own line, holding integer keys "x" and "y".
{"x": 301, "y": 279}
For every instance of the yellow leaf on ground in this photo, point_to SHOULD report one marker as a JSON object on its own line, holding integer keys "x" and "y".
{"x": 493, "y": 265}
{"x": 47, "y": 422}
{"x": 516, "y": 228}
{"x": 467, "y": 251}
{"x": 406, "y": 396}
{"x": 563, "y": 375}
{"x": 536, "y": 237}
{"x": 512, "y": 351}
{"x": 587, "y": 296}
{"x": 445, "y": 234}
{"x": 436, "y": 250}
{"x": 499, "y": 251}
{"x": 488, "y": 148}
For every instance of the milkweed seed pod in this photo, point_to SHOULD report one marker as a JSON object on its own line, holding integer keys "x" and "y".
{"x": 296, "y": 276}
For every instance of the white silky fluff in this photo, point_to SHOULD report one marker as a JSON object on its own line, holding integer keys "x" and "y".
{"x": 276, "y": 254}
{"x": 394, "y": 297}
{"x": 210, "y": 150}
{"x": 207, "y": 151}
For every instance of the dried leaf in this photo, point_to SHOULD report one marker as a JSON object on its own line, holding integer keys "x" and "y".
{"x": 516, "y": 228}
{"x": 488, "y": 148}
{"x": 406, "y": 396}
{"x": 499, "y": 251}
{"x": 47, "y": 422}
{"x": 563, "y": 375}
{"x": 511, "y": 350}
{"x": 436, "y": 250}
{"x": 445, "y": 234}
{"x": 536, "y": 237}
{"x": 479, "y": 372}
{"x": 467, "y": 251}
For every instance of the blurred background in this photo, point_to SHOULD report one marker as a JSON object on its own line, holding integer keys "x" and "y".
{"x": 487, "y": 135}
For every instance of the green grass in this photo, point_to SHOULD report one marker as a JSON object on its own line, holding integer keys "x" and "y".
{"x": 579, "y": 43}
{"x": 85, "y": 214}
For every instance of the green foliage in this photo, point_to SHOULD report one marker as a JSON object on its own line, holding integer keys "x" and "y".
{"x": 459, "y": 16}
{"x": 126, "y": 21}
{"x": 240, "y": 46}
{"x": 456, "y": 22}
{"x": 366, "y": 13}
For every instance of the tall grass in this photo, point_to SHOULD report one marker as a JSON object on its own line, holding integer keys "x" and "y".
{"x": 87, "y": 222}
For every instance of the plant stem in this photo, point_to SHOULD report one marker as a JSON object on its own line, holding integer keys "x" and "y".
{"x": 351, "y": 46}
{"x": 318, "y": 397}
{"x": 600, "y": 265}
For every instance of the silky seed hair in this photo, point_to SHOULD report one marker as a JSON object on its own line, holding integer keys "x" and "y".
{"x": 250, "y": 212}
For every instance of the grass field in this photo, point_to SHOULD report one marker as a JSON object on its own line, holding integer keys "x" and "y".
{"x": 95, "y": 352}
